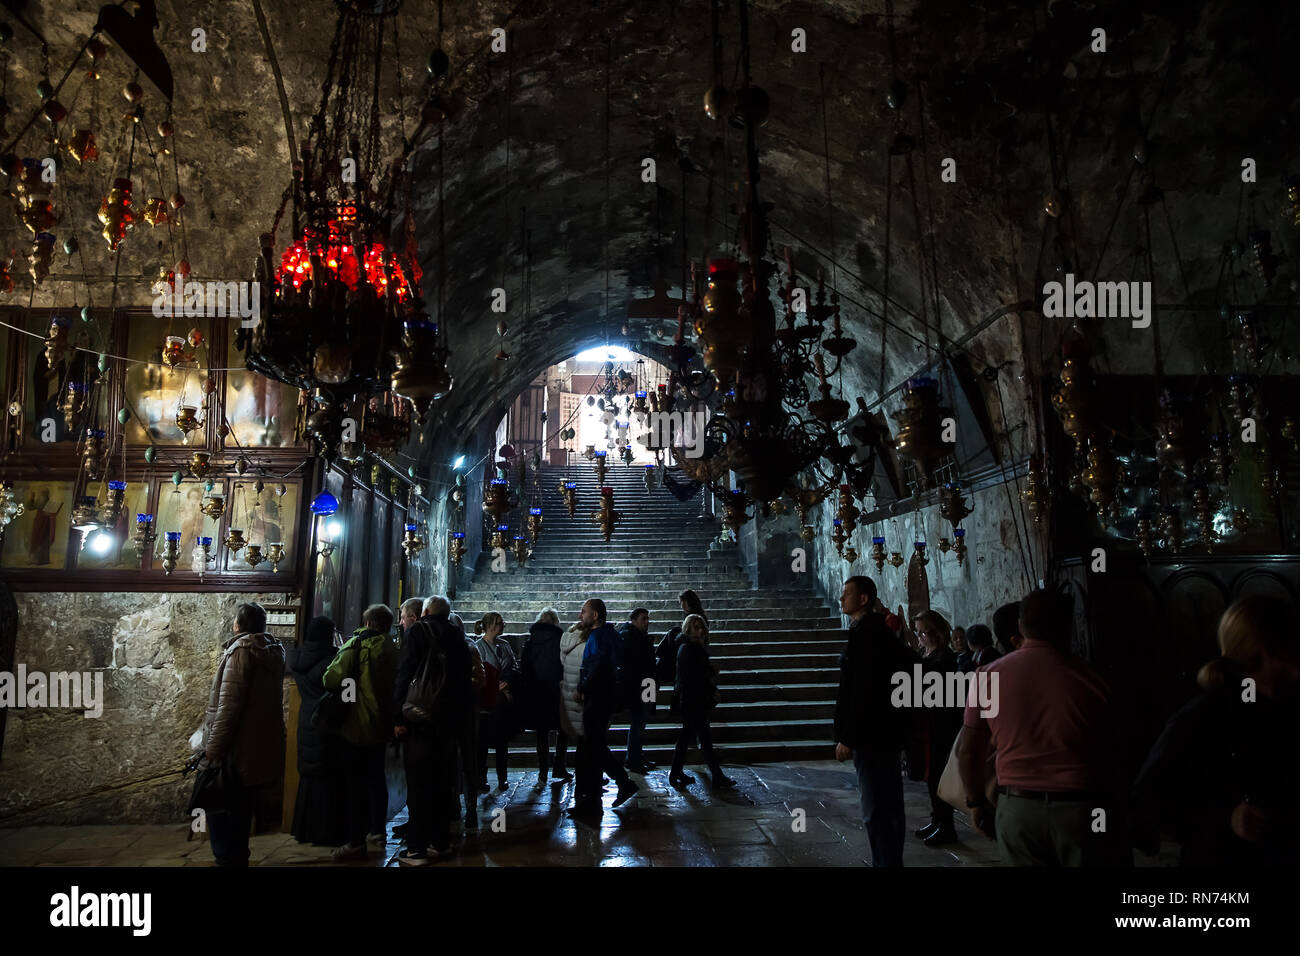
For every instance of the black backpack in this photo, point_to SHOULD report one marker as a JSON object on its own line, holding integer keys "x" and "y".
{"x": 331, "y": 710}
{"x": 666, "y": 658}
{"x": 424, "y": 692}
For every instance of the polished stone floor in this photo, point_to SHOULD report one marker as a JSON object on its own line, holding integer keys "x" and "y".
{"x": 756, "y": 824}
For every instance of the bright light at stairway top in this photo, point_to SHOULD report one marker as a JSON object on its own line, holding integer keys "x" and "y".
{"x": 612, "y": 353}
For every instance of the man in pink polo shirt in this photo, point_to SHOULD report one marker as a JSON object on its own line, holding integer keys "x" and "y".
{"x": 1052, "y": 729}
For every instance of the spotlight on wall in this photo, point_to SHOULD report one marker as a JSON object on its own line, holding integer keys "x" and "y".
{"x": 101, "y": 543}
{"x": 460, "y": 460}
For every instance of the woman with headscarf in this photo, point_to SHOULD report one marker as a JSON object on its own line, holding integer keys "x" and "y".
{"x": 320, "y": 812}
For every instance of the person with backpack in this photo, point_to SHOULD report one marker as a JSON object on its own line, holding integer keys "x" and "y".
{"x": 637, "y": 657}
{"x": 369, "y": 660}
{"x": 695, "y": 694}
{"x": 598, "y": 693}
{"x": 542, "y": 672}
{"x": 501, "y": 673}
{"x": 432, "y": 698}
{"x": 666, "y": 653}
{"x": 243, "y": 733}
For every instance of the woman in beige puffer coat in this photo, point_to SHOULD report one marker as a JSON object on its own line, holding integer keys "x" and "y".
{"x": 572, "y": 645}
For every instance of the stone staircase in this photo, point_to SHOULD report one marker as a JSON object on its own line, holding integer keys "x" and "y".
{"x": 777, "y": 650}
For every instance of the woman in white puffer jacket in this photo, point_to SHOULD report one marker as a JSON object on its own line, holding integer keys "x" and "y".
{"x": 572, "y": 645}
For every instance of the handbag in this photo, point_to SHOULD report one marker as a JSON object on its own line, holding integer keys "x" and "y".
{"x": 332, "y": 709}
{"x": 212, "y": 786}
{"x": 950, "y": 788}
{"x": 420, "y": 706}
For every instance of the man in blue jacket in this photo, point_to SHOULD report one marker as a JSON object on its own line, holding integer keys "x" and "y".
{"x": 596, "y": 693}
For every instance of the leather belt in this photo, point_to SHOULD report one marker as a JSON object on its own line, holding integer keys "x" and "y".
{"x": 1047, "y": 796}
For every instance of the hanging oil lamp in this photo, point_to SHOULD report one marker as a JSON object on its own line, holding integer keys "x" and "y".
{"x": 235, "y": 540}
{"x": 534, "y": 524}
{"x": 253, "y": 555}
{"x": 600, "y": 466}
{"x": 1242, "y": 395}
{"x": 275, "y": 554}
{"x": 1173, "y": 447}
{"x": 850, "y": 554}
{"x": 40, "y": 256}
{"x": 173, "y": 351}
{"x": 214, "y": 507}
{"x": 959, "y": 545}
{"x": 1250, "y": 343}
{"x": 187, "y": 419}
{"x": 952, "y": 507}
{"x": 205, "y": 544}
{"x": 521, "y": 549}
{"x": 920, "y": 424}
{"x": 82, "y": 146}
{"x": 723, "y": 329}
{"x": 1146, "y": 534}
{"x": 74, "y": 401}
{"x": 456, "y": 547}
{"x": 1203, "y": 509}
{"x": 412, "y": 543}
{"x": 651, "y": 477}
{"x": 1291, "y": 432}
{"x": 1171, "y": 525}
{"x": 144, "y": 533}
{"x": 607, "y": 516}
{"x": 804, "y": 500}
{"x": 1075, "y": 399}
{"x": 1221, "y": 456}
{"x": 1101, "y": 476}
{"x": 114, "y": 501}
{"x": 116, "y": 213}
{"x": 848, "y": 512}
{"x": 155, "y": 211}
{"x": 1269, "y": 480}
{"x": 945, "y": 545}
{"x": 569, "y": 491}
{"x": 878, "y": 552}
{"x": 919, "y": 547}
{"x": 838, "y": 537}
{"x": 200, "y": 464}
{"x": 1035, "y": 496}
{"x": 93, "y": 453}
{"x": 496, "y": 500}
{"x": 896, "y": 559}
{"x": 1263, "y": 262}
{"x": 171, "y": 552}
{"x": 56, "y": 341}
{"x": 499, "y": 538}
{"x": 421, "y": 375}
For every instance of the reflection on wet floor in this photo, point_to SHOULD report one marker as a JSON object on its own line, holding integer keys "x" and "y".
{"x": 756, "y": 824}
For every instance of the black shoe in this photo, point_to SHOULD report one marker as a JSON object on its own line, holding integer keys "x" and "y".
{"x": 503, "y": 785}
{"x": 626, "y": 791}
{"x": 926, "y": 830}
{"x": 649, "y": 765}
{"x": 562, "y": 776}
{"x": 541, "y": 783}
{"x": 722, "y": 782}
{"x": 679, "y": 779}
{"x": 941, "y": 836}
{"x": 484, "y": 788}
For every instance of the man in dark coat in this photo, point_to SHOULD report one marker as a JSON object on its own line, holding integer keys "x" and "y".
{"x": 596, "y": 693}
{"x": 243, "y": 729}
{"x": 868, "y": 727}
{"x": 431, "y": 746}
{"x": 638, "y": 655}
{"x": 542, "y": 670}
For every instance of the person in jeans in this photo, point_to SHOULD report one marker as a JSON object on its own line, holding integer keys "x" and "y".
{"x": 1056, "y": 744}
{"x": 542, "y": 671}
{"x": 430, "y": 746}
{"x": 638, "y": 652}
{"x": 693, "y": 699}
{"x": 597, "y": 692}
{"x": 500, "y": 674}
{"x": 370, "y": 658}
{"x": 243, "y": 728}
{"x": 868, "y": 728}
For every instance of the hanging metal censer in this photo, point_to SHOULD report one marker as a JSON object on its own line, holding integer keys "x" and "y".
{"x": 171, "y": 552}
{"x": 456, "y": 547}
{"x": 253, "y": 555}
{"x": 607, "y": 516}
{"x": 275, "y": 554}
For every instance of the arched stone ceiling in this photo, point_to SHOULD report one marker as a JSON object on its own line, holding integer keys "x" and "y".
{"x": 1213, "y": 81}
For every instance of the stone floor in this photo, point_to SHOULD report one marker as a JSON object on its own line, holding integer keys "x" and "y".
{"x": 752, "y": 825}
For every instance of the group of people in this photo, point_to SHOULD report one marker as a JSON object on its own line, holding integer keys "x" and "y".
{"x": 1042, "y": 770}
{"x": 449, "y": 700}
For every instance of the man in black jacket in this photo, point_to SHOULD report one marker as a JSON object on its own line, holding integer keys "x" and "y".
{"x": 637, "y": 653}
{"x": 431, "y": 747}
{"x": 868, "y": 727}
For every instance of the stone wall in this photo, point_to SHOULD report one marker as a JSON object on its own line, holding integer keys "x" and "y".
{"x": 157, "y": 654}
{"x": 1001, "y": 565}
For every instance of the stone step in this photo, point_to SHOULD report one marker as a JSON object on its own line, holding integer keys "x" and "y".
{"x": 655, "y": 604}
{"x": 748, "y": 624}
{"x": 749, "y": 752}
{"x": 778, "y": 675}
{"x": 726, "y": 661}
{"x": 772, "y": 641}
